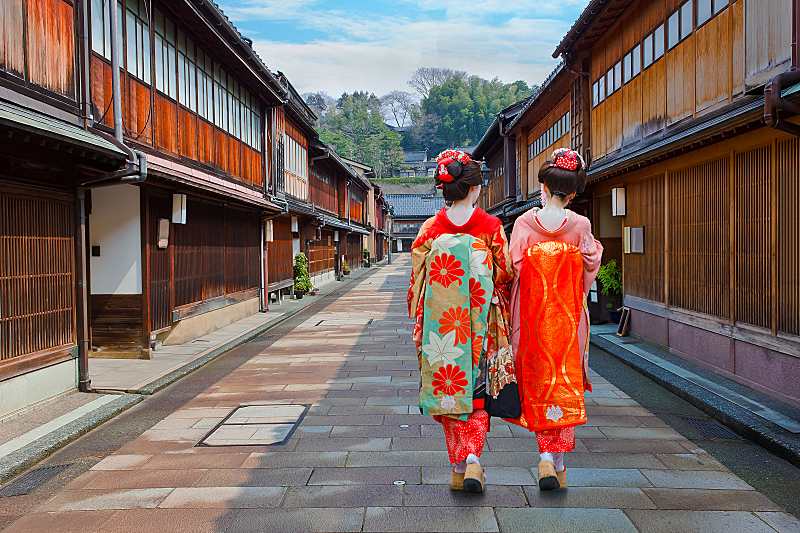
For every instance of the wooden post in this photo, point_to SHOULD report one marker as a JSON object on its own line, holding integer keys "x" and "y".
{"x": 773, "y": 187}
{"x": 732, "y": 207}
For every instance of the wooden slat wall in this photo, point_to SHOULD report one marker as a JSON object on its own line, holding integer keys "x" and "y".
{"x": 37, "y": 274}
{"x": 741, "y": 47}
{"x": 788, "y": 178}
{"x": 166, "y": 124}
{"x": 495, "y": 192}
{"x": 354, "y": 251}
{"x": 324, "y": 193}
{"x": 753, "y": 171}
{"x": 159, "y": 207}
{"x": 242, "y": 251}
{"x": 644, "y": 273}
{"x": 216, "y": 253}
{"x": 116, "y": 321}
{"x": 768, "y": 39}
{"x": 102, "y": 92}
{"x": 542, "y": 126}
{"x": 12, "y": 52}
{"x": 51, "y": 45}
{"x": 357, "y": 204}
{"x": 136, "y": 116}
{"x": 699, "y": 237}
{"x": 322, "y": 254}
{"x": 279, "y": 254}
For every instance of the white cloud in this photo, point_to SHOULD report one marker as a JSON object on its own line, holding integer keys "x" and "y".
{"x": 381, "y": 53}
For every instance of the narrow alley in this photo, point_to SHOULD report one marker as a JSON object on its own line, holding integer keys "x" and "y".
{"x": 362, "y": 458}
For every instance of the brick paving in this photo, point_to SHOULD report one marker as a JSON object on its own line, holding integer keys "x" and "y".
{"x": 363, "y": 459}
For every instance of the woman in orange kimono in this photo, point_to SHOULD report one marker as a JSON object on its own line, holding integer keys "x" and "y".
{"x": 556, "y": 259}
{"x": 460, "y": 283}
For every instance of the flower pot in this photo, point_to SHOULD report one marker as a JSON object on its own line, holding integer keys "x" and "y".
{"x": 299, "y": 295}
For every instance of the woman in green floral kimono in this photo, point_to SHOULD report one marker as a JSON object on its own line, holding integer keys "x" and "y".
{"x": 460, "y": 284}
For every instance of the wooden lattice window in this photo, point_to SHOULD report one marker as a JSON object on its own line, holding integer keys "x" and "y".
{"x": 644, "y": 273}
{"x": 37, "y": 274}
{"x": 699, "y": 238}
{"x": 788, "y": 178}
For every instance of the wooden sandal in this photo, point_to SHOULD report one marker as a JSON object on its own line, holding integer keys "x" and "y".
{"x": 562, "y": 478}
{"x": 474, "y": 479}
{"x": 456, "y": 481}
{"x": 548, "y": 477}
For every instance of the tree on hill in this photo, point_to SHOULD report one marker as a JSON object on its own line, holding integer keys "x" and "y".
{"x": 460, "y": 110}
{"x": 356, "y": 130}
{"x": 426, "y": 78}
{"x": 399, "y": 107}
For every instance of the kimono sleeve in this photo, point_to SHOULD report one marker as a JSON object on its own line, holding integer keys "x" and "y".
{"x": 503, "y": 267}
{"x": 592, "y": 252}
{"x": 419, "y": 256}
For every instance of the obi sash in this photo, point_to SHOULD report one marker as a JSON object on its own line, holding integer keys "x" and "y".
{"x": 549, "y": 359}
{"x": 458, "y": 292}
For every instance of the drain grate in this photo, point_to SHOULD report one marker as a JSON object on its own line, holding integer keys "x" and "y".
{"x": 701, "y": 428}
{"x": 257, "y": 425}
{"x": 30, "y": 481}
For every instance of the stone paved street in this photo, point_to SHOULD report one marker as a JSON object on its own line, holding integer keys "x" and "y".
{"x": 363, "y": 459}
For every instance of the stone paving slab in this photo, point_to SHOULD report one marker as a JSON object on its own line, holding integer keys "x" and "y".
{"x": 363, "y": 432}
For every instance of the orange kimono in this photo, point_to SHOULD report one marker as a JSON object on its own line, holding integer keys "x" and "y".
{"x": 550, "y": 324}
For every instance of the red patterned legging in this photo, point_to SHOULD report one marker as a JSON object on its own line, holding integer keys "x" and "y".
{"x": 464, "y": 438}
{"x": 556, "y": 440}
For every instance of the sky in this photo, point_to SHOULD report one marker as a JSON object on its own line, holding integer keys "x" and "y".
{"x": 339, "y": 46}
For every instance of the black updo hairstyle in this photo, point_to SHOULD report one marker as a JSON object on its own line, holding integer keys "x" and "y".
{"x": 465, "y": 176}
{"x": 562, "y": 182}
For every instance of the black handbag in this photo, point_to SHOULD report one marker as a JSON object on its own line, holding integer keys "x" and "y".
{"x": 502, "y": 391}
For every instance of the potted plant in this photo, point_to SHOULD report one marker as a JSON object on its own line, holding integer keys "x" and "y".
{"x": 302, "y": 280}
{"x": 610, "y": 278}
{"x": 366, "y": 258}
{"x": 345, "y": 267}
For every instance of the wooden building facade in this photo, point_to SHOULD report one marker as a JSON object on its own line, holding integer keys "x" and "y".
{"x": 679, "y": 106}
{"x": 177, "y": 215}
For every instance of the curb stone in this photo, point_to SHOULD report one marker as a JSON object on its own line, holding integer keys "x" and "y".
{"x": 742, "y": 421}
{"x": 20, "y": 460}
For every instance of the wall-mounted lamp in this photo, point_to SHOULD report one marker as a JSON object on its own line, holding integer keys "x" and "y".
{"x": 179, "y": 208}
{"x": 486, "y": 173}
{"x": 163, "y": 233}
{"x": 269, "y": 231}
{"x": 335, "y": 236}
{"x": 618, "y": 202}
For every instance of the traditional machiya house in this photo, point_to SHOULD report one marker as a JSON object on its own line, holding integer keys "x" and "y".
{"x": 181, "y": 253}
{"x": 381, "y": 226}
{"x": 497, "y": 148}
{"x": 694, "y": 174}
{"x": 46, "y": 154}
{"x": 357, "y": 197}
{"x": 292, "y": 127}
{"x": 409, "y": 211}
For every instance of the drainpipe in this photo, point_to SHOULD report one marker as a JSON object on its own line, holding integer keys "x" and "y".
{"x": 776, "y": 109}
{"x": 84, "y": 382}
{"x": 116, "y": 93}
{"x": 84, "y": 60}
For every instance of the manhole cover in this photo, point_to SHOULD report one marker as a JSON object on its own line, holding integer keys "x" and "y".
{"x": 256, "y": 425}
{"x": 32, "y": 480}
{"x": 702, "y": 428}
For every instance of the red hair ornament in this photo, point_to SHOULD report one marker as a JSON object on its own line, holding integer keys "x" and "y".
{"x": 447, "y": 158}
{"x": 566, "y": 159}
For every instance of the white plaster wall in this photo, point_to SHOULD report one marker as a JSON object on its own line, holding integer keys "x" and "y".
{"x": 31, "y": 388}
{"x": 320, "y": 280}
{"x": 115, "y": 225}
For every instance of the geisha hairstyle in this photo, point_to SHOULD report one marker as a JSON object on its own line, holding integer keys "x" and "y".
{"x": 456, "y": 173}
{"x": 564, "y": 174}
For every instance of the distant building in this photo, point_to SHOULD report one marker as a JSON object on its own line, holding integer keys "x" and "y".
{"x": 417, "y": 164}
{"x": 410, "y": 211}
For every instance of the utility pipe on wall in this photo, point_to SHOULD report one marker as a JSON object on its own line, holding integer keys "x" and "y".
{"x": 115, "y": 51}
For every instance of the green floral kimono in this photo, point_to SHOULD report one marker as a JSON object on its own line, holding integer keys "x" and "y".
{"x": 459, "y": 289}
{"x": 455, "y": 316}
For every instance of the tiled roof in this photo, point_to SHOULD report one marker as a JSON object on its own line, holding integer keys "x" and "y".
{"x": 414, "y": 205}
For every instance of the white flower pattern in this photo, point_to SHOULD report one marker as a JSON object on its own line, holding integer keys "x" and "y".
{"x": 554, "y": 413}
{"x": 445, "y": 242}
{"x": 477, "y": 263}
{"x": 447, "y": 403}
{"x": 442, "y": 350}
